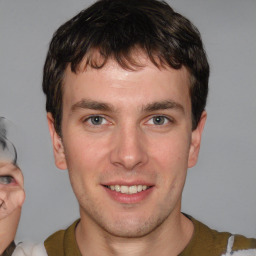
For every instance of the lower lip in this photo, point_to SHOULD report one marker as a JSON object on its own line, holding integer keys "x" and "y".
{"x": 129, "y": 198}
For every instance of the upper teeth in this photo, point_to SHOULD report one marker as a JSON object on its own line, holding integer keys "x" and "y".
{"x": 128, "y": 189}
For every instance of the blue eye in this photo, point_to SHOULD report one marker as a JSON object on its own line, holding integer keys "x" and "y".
{"x": 159, "y": 120}
{"x": 96, "y": 120}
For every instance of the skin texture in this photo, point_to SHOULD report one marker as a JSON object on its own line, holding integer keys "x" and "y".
{"x": 12, "y": 197}
{"x": 128, "y": 146}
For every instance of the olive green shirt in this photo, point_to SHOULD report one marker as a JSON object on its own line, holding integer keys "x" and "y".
{"x": 9, "y": 250}
{"x": 205, "y": 241}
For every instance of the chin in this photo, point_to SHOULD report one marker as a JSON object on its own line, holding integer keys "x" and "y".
{"x": 132, "y": 228}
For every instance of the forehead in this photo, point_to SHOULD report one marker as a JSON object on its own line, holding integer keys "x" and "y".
{"x": 113, "y": 84}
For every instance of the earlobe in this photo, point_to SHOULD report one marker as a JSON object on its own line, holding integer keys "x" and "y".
{"x": 58, "y": 149}
{"x": 196, "y": 141}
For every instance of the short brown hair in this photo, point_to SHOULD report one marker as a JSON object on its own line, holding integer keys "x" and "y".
{"x": 114, "y": 28}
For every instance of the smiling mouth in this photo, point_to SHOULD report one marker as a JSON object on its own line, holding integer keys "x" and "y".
{"x": 134, "y": 189}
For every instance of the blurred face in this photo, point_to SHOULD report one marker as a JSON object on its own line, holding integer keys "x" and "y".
{"x": 127, "y": 143}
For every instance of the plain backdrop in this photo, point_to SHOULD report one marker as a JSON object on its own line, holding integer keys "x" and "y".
{"x": 220, "y": 190}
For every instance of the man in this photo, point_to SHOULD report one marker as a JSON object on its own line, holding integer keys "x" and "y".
{"x": 126, "y": 84}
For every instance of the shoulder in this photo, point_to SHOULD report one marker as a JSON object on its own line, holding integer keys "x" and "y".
{"x": 63, "y": 242}
{"x": 207, "y": 240}
{"x": 241, "y": 242}
{"x": 54, "y": 243}
{"x": 29, "y": 249}
{"x": 240, "y": 246}
{"x": 214, "y": 243}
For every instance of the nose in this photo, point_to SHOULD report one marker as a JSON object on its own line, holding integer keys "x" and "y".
{"x": 129, "y": 149}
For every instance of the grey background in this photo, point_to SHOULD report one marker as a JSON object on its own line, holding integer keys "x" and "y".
{"x": 220, "y": 190}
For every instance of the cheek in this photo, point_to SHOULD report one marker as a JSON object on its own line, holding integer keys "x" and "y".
{"x": 171, "y": 152}
{"x": 171, "y": 162}
{"x": 85, "y": 158}
{"x": 82, "y": 149}
{"x": 83, "y": 167}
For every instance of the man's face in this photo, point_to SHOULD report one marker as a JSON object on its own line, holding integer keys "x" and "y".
{"x": 127, "y": 143}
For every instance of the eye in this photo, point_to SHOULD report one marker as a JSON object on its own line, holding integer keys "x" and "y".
{"x": 6, "y": 180}
{"x": 96, "y": 120}
{"x": 159, "y": 120}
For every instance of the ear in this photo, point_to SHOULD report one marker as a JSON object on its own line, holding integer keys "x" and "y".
{"x": 196, "y": 141}
{"x": 58, "y": 149}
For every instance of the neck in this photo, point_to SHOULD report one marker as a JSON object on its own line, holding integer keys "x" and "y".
{"x": 170, "y": 238}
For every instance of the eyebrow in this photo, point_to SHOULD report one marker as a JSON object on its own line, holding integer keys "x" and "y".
{"x": 166, "y": 104}
{"x": 91, "y": 104}
{"x": 150, "y": 107}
